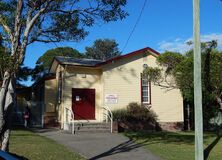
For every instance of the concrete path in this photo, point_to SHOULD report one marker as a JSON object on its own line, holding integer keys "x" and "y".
{"x": 100, "y": 146}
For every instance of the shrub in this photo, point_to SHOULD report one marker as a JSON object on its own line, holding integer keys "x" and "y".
{"x": 134, "y": 111}
{"x": 140, "y": 112}
{"x": 136, "y": 117}
{"x": 119, "y": 114}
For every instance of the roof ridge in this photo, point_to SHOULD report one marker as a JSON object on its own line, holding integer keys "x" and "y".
{"x": 80, "y": 58}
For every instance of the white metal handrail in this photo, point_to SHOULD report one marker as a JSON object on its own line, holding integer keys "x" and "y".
{"x": 72, "y": 120}
{"x": 109, "y": 115}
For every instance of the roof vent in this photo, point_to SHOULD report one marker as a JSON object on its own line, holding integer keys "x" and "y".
{"x": 145, "y": 66}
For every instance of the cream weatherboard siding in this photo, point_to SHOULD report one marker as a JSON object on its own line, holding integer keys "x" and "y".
{"x": 123, "y": 78}
{"x": 77, "y": 77}
{"x": 50, "y": 95}
{"x": 50, "y": 101}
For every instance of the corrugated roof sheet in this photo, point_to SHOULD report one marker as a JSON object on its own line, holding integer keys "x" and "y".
{"x": 76, "y": 61}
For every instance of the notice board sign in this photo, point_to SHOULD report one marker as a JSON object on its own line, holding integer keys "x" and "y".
{"x": 111, "y": 99}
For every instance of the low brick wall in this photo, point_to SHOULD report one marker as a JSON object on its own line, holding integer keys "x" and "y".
{"x": 162, "y": 126}
{"x": 171, "y": 126}
{"x": 119, "y": 126}
{"x": 50, "y": 121}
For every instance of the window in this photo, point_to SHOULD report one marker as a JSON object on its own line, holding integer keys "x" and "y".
{"x": 145, "y": 91}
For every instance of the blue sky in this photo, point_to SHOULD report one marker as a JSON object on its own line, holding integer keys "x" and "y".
{"x": 164, "y": 25}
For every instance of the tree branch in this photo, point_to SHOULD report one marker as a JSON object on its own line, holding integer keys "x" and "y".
{"x": 31, "y": 21}
{"x": 6, "y": 27}
{"x": 43, "y": 40}
{"x": 17, "y": 28}
{"x": 29, "y": 25}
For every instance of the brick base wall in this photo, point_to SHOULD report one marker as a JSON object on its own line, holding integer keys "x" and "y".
{"x": 50, "y": 121}
{"x": 171, "y": 126}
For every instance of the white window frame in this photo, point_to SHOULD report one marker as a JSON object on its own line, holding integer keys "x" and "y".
{"x": 147, "y": 91}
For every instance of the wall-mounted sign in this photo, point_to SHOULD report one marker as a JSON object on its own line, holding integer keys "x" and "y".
{"x": 77, "y": 98}
{"x": 111, "y": 98}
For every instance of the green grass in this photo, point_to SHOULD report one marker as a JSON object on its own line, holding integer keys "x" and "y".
{"x": 175, "y": 146}
{"x": 34, "y": 147}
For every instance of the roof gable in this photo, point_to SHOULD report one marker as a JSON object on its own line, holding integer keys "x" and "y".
{"x": 97, "y": 63}
{"x": 129, "y": 54}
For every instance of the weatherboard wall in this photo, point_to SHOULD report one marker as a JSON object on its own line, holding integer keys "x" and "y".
{"x": 122, "y": 78}
{"x": 82, "y": 77}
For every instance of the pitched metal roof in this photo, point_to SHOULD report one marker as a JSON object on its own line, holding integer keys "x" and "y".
{"x": 97, "y": 63}
{"x": 128, "y": 55}
{"x": 78, "y": 62}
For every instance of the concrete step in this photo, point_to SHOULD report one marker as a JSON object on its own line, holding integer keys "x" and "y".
{"x": 93, "y": 124}
{"x": 93, "y": 130}
{"x": 91, "y": 127}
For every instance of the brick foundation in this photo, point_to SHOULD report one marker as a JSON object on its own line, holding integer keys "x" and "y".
{"x": 171, "y": 126}
{"x": 50, "y": 121}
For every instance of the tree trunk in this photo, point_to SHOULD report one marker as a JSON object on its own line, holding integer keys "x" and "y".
{"x": 7, "y": 101}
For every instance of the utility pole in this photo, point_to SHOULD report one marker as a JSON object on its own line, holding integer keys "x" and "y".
{"x": 197, "y": 83}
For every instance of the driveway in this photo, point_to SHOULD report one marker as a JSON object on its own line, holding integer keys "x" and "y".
{"x": 101, "y": 146}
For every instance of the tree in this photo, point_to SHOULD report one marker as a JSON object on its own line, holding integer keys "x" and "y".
{"x": 24, "y": 22}
{"x": 103, "y": 49}
{"x": 44, "y": 62}
{"x": 4, "y": 57}
{"x": 23, "y": 72}
{"x": 176, "y": 71}
{"x": 47, "y": 57}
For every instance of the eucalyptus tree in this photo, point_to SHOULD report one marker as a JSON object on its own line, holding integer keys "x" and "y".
{"x": 23, "y": 22}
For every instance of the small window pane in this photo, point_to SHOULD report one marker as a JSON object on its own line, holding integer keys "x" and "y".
{"x": 145, "y": 99}
{"x": 145, "y": 94}
{"x": 144, "y": 82}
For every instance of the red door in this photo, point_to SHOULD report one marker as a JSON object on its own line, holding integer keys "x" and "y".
{"x": 83, "y": 103}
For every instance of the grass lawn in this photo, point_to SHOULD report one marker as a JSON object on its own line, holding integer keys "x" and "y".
{"x": 34, "y": 147}
{"x": 175, "y": 146}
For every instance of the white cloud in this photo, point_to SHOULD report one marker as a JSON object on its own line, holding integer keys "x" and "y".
{"x": 213, "y": 36}
{"x": 180, "y": 45}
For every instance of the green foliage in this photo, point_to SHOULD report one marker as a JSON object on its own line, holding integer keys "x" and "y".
{"x": 6, "y": 63}
{"x": 180, "y": 68}
{"x": 183, "y": 73}
{"x": 135, "y": 112}
{"x": 120, "y": 114}
{"x": 46, "y": 59}
{"x": 4, "y": 60}
{"x": 103, "y": 49}
{"x": 59, "y": 22}
{"x": 170, "y": 60}
{"x": 155, "y": 74}
{"x": 44, "y": 62}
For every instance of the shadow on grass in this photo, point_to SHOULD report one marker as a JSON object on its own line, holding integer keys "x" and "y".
{"x": 43, "y": 130}
{"x": 171, "y": 137}
{"x": 163, "y": 137}
{"x": 210, "y": 147}
{"x": 34, "y": 129}
{"x": 16, "y": 128}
